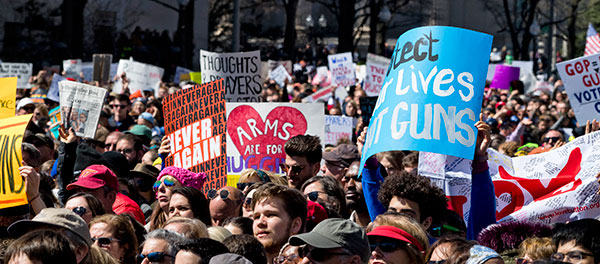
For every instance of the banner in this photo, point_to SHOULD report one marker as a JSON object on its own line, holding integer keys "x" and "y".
{"x": 503, "y": 75}
{"x": 323, "y": 95}
{"x": 336, "y": 128}
{"x": 195, "y": 124}
{"x": 178, "y": 72}
{"x": 81, "y": 105}
{"x": 367, "y": 106}
{"x": 8, "y": 96}
{"x": 279, "y": 75}
{"x": 431, "y": 97}
{"x": 22, "y": 71}
{"x": 376, "y": 68}
{"x": 72, "y": 68}
{"x": 102, "y": 68}
{"x": 581, "y": 78}
{"x": 241, "y": 71}
{"x": 53, "y": 92}
{"x": 551, "y": 187}
{"x": 140, "y": 76}
{"x": 12, "y": 186}
{"x": 257, "y": 132}
{"x": 342, "y": 69}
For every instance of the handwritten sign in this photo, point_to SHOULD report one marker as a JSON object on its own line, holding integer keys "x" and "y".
{"x": 431, "y": 97}
{"x": 503, "y": 75}
{"x": 376, "y": 68}
{"x": 72, "y": 68}
{"x": 322, "y": 78}
{"x": 8, "y": 95}
{"x": 257, "y": 132}
{"x": 342, "y": 69}
{"x": 22, "y": 71}
{"x": 279, "y": 75}
{"x": 241, "y": 71}
{"x": 12, "y": 186}
{"x": 140, "y": 75}
{"x": 336, "y": 128}
{"x": 195, "y": 124}
{"x": 581, "y": 78}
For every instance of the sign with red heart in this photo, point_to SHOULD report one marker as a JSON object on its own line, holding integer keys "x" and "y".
{"x": 257, "y": 132}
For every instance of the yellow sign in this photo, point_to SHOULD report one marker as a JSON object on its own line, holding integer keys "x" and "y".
{"x": 12, "y": 186}
{"x": 184, "y": 77}
{"x": 8, "y": 96}
{"x": 196, "y": 77}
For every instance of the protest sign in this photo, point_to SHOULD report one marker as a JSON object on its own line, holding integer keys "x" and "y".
{"x": 503, "y": 75}
{"x": 196, "y": 77}
{"x": 257, "y": 132}
{"x": 241, "y": 71}
{"x": 279, "y": 75}
{"x": 551, "y": 187}
{"x": 195, "y": 125}
{"x": 336, "y": 128}
{"x": 323, "y": 95}
{"x": 81, "y": 105}
{"x": 581, "y": 78}
{"x": 141, "y": 76}
{"x": 8, "y": 95}
{"x": 273, "y": 64}
{"x": 22, "y": 71}
{"x": 322, "y": 78}
{"x": 430, "y": 80}
{"x": 72, "y": 68}
{"x": 102, "y": 68}
{"x": 376, "y": 68}
{"x": 526, "y": 74}
{"x": 55, "y": 120}
{"x": 178, "y": 72}
{"x": 53, "y": 93}
{"x": 342, "y": 69}
{"x": 12, "y": 186}
{"x": 361, "y": 72}
{"x": 367, "y": 106}
{"x": 87, "y": 68}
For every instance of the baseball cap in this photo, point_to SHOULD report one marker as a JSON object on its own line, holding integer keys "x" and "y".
{"x": 94, "y": 177}
{"x": 344, "y": 154}
{"x": 336, "y": 233}
{"x": 396, "y": 233}
{"x": 23, "y": 102}
{"x": 229, "y": 258}
{"x": 141, "y": 130}
{"x": 54, "y": 217}
{"x": 147, "y": 116}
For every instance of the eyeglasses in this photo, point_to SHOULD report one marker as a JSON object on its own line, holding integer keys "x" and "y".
{"x": 554, "y": 139}
{"x": 117, "y": 106}
{"x": 79, "y": 210}
{"x": 313, "y": 196}
{"x": 168, "y": 181}
{"x": 104, "y": 241}
{"x": 521, "y": 261}
{"x": 296, "y": 169}
{"x": 319, "y": 254}
{"x": 243, "y": 185}
{"x": 571, "y": 255}
{"x": 125, "y": 151}
{"x": 283, "y": 259}
{"x": 212, "y": 194}
{"x": 388, "y": 246}
{"x": 153, "y": 257}
{"x": 439, "y": 231}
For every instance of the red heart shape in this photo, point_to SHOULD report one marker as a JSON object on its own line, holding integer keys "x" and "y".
{"x": 251, "y": 135}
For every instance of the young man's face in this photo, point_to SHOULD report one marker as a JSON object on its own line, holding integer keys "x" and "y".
{"x": 571, "y": 253}
{"x": 411, "y": 208}
{"x": 299, "y": 170}
{"x": 120, "y": 108}
{"x": 272, "y": 224}
{"x": 126, "y": 147}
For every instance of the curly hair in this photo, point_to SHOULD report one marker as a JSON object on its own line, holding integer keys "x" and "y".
{"x": 416, "y": 188}
{"x": 305, "y": 146}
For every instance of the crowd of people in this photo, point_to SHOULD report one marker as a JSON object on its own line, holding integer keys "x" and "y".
{"x": 111, "y": 199}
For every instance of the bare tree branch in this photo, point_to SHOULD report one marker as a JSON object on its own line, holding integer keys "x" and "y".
{"x": 166, "y": 5}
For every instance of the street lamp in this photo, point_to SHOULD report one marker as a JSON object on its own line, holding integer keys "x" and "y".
{"x": 322, "y": 21}
{"x": 309, "y": 21}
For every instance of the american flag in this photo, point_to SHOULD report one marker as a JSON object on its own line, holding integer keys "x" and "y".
{"x": 592, "y": 42}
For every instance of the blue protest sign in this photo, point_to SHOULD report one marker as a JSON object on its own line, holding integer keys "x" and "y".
{"x": 431, "y": 96}
{"x": 53, "y": 93}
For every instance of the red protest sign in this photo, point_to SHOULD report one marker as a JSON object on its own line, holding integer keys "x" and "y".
{"x": 195, "y": 124}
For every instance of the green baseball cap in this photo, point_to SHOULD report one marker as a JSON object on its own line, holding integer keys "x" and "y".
{"x": 141, "y": 130}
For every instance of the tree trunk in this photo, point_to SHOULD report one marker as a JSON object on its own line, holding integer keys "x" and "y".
{"x": 289, "y": 41}
{"x": 374, "y": 8}
{"x": 346, "y": 25}
{"x": 514, "y": 36}
{"x": 72, "y": 25}
{"x": 186, "y": 25}
{"x": 572, "y": 28}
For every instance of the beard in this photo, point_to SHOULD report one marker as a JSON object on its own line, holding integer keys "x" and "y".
{"x": 273, "y": 245}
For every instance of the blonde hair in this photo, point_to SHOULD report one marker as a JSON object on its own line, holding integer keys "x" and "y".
{"x": 409, "y": 225}
{"x": 536, "y": 248}
{"x": 249, "y": 173}
{"x": 218, "y": 233}
{"x": 100, "y": 256}
{"x": 193, "y": 228}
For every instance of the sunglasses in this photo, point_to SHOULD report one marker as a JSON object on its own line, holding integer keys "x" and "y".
{"x": 554, "y": 139}
{"x": 79, "y": 210}
{"x": 242, "y": 185}
{"x": 296, "y": 169}
{"x": 153, "y": 257}
{"x": 313, "y": 196}
{"x": 117, "y": 106}
{"x": 388, "y": 246}
{"x": 319, "y": 254}
{"x": 104, "y": 241}
{"x": 353, "y": 177}
{"x": 125, "y": 151}
{"x": 168, "y": 181}
{"x": 440, "y": 230}
{"x": 212, "y": 194}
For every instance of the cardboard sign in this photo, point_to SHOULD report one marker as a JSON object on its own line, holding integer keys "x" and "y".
{"x": 503, "y": 75}
{"x": 8, "y": 96}
{"x": 12, "y": 186}
{"x": 342, "y": 69}
{"x": 279, "y": 75}
{"x": 581, "y": 78}
{"x": 141, "y": 76}
{"x": 102, "y": 68}
{"x": 53, "y": 92}
{"x": 241, "y": 71}
{"x": 367, "y": 106}
{"x": 431, "y": 97}
{"x": 336, "y": 128}
{"x": 81, "y": 105}
{"x": 196, "y": 77}
{"x": 376, "y": 69}
{"x": 22, "y": 71}
{"x": 72, "y": 68}
{"x": 256, "y": 133}
{"x": 195, "y": 124}
{"x": 551, "y": 187}
{"x": 178, "y": 72}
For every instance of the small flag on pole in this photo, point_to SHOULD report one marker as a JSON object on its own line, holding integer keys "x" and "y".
{"x": 592, "y": 42}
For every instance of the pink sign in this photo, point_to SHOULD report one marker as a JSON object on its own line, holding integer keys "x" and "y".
{"x": 503, "y": 75}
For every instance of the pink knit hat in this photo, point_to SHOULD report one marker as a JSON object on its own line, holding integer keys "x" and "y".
{"x": 185, "y": 177}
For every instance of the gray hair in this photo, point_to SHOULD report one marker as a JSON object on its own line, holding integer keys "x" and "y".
{"x": 172, "y": 238}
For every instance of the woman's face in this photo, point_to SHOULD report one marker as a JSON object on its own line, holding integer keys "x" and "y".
{"x": 179, "y": 205}
{"x": 79, "y": 205}
{"x": 350, "y": 109}
{"x": 385, "y": 253}
{"x": 163, "y": 188}
{"x": 139, "y": 107}
{"x": 104, "y": 237}
{"x": 289, "y": 255}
